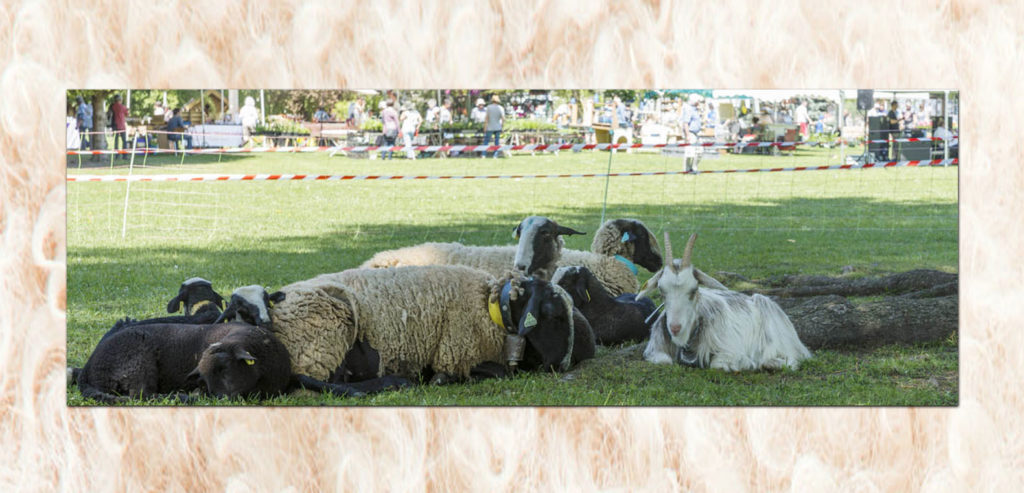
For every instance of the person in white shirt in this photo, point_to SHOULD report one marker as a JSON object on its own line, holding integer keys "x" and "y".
{"x": 248, "y": 115}
{"x": 479, "y": 114}
{"x": 411, "y": 121}
{"x": 802, "y": 118}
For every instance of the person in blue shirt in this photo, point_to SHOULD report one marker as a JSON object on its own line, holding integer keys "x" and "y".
{"x": 177, "y": 128}
{"x": 83, "y": 115}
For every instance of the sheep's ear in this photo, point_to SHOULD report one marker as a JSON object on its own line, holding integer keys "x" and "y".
{"x": 244, "y": 355}
{"x": 226, "y": 314}
{"x": 175, "y": 304}
{"x": 218, "y": 300}
{"x": 277, "y": 297}
{"x": 193, "y": 376}
{"x": 562, "y": 230}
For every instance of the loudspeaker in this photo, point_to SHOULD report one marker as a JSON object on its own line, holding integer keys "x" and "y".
{"x": 865, "y": 99}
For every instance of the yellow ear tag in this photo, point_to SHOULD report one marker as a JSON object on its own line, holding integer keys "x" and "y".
{"x": 495, "y": 312}
{"x": 250, "y": 362}
{"x": 530, "y": 321}
{"x": 588, "y": 293}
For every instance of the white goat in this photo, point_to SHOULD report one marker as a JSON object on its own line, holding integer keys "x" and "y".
{"x": 717, "y": 327}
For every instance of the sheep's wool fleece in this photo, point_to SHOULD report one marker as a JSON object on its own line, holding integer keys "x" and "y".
{"x": 414, "y": 317}
{"x": 317, "y": 323}
{"x": 493, "y": 259}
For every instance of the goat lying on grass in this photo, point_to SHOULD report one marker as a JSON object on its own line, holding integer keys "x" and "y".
{"x": 714, "y": 327}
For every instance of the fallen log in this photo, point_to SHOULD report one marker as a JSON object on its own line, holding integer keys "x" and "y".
{"x": 832, "y": 321}
{"x": 904, "y": 282}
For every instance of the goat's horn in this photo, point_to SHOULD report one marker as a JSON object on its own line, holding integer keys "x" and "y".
{"x": 689, "y": 250}
{"x": 668, "y": 251}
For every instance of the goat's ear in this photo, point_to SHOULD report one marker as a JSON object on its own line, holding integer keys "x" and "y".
{"x": 516, "y": 230}
{"x": 562, "y": 230}
{"x": 277, "y": 297}
{"x": 175, "y": 304}
{"x": 707, "y": 280}
{"x": 218, "y": 300}
{"x": 650, "y": 285}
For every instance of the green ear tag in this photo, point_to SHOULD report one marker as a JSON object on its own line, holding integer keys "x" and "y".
{"x": 530, "y": 321}
{"x": 250, "y": 362}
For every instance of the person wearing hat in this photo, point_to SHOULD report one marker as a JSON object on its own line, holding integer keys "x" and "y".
{"x": 495, "y": 117}
{"x": 83, "y": 116}
{"x": 479, "y": 114}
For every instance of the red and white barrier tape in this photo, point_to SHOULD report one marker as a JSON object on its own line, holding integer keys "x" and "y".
{"x": 452, "y": 148}
{"x": 300, "y": 177}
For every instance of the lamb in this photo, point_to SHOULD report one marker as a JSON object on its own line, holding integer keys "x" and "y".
{"x": 422, "y": 320}
{"x": 614, "y": 319}
{"x": 618, "y": 246}
{"x": 716, "y": 327}
{"x": 250, "y": 304}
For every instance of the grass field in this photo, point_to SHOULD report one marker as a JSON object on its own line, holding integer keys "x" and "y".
{"x": 756, "y": 224}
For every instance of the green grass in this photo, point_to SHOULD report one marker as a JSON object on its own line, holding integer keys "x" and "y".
{"x": 757, "y": 225}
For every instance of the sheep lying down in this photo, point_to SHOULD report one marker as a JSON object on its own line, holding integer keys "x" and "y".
{"x": 169, "y": 360}
{"x": 426, "y": 321}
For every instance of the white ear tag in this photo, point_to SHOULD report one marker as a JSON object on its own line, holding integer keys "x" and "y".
{"x": 530, "y": 321}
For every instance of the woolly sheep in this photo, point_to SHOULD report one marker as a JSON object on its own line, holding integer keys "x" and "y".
{"x": 715, "y": 327}
{"x": 421, "y": 318}
{"x": 618, "y": 246}
{"x": 613, "y": 319}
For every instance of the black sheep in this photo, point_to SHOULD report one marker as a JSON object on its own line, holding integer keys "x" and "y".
{"x": 614, "y": 319}
{"x": 201, "y": 303}
{"x": 226, "y": 360}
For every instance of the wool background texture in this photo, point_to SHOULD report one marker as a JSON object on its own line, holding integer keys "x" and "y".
{"x": 47, "y": 47}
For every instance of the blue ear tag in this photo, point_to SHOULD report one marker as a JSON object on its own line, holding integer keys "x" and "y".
{"x": 625, "y": 237}
{"x": 530, "y": 321}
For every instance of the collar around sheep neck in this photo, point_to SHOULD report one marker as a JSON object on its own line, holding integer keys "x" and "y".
{"x": 501, "y": 311}
{"x": 627, "y": 263}
{"x": 198, "y": 306}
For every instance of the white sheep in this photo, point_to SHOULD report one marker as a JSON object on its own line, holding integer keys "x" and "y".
{"x": 619, "y": 245}
{"x": 717, "y": 328}
{"x": 439, "y": 318}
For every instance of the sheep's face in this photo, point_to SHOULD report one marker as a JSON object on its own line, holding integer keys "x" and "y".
{"x": 578, "y": 281}
{"x": 193, "y": 294}
{"x": 643, "y": 245}
{"x": 540, "y": 245}
{"x": 229, "y": 370}
{"x": 251, "y": 304}
{"x": 544, "y": 315}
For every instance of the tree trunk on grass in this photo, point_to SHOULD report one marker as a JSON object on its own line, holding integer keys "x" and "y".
{"x": 904, "y": 282}
{"x": 832, "y": 321}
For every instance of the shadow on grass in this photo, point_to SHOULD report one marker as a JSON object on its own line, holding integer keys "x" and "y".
{"x": 153, "y": 161}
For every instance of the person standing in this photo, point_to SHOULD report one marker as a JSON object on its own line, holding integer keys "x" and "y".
{"x": 479, "y": 114}
{"x": 248, "y": 115}
{"x": 389, "y": 128}
{"x": 411, "y": 121}
{"x": 120, "y": 115}
{"x": 495, "y": 118}
{"x": 892, "y": 119}
{"x": 83, "y": 116}
{"x": 802, "y": 119}
{"x": 621, "y": 127}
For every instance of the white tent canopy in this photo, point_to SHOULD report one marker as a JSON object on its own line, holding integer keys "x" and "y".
{"x": 778, "y": 94}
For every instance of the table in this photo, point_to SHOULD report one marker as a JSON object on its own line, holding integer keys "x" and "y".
{"x": 216, "y": 135}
